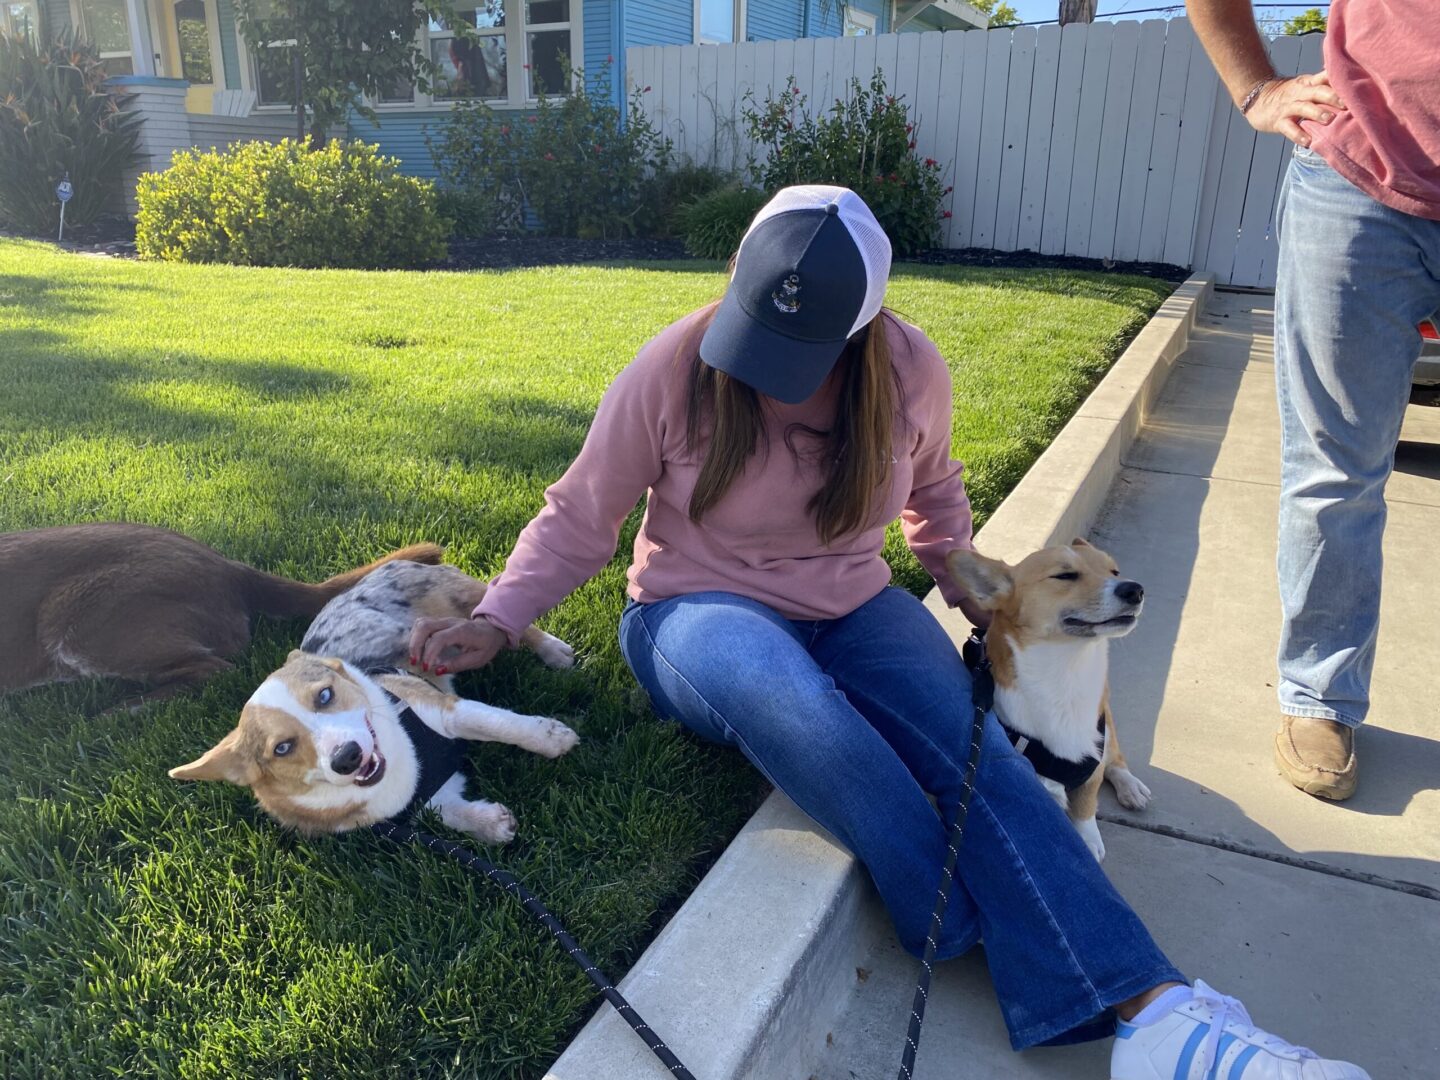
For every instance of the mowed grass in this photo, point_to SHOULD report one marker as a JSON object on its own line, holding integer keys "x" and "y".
{"x": 306, "y": 422}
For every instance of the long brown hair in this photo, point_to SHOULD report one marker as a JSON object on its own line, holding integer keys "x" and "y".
{"x": 859, "y": 447}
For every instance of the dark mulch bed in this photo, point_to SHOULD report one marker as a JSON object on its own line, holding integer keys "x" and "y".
{"x": 103, "y": 236}
{"x": 116, "y": 237}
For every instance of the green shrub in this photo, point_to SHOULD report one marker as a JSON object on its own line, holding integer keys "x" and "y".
{"x": 283, "y": 204}
{"x": 56, "y": 117}
{"x": 469, "y": 214}
{"x": 714, "y": 224}
{"x": 679, "y": 188}
{"x": 574, "y": 162}
{"x": 864, "y": 142}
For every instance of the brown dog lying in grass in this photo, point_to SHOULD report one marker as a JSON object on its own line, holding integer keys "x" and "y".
{"x": 139, "y": 603}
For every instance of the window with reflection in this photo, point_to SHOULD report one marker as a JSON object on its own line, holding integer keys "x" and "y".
{"x": 472, "y": 65}
{"x": 104, "y": 23}
{"x": 192, "y": 28}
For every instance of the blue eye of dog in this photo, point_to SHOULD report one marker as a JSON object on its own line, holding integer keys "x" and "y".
{"x": 283, "y": 748}
{"x": 1068, "y": 575}
{"x": 324, "y": 697}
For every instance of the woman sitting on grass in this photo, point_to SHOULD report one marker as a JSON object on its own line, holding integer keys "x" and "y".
{"x": 777, "y": 433}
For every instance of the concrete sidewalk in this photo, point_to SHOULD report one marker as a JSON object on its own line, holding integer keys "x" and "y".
{"x": 1324, "y": 918}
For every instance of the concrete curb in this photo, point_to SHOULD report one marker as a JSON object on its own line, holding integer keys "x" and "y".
{"x": 747, "y": 978}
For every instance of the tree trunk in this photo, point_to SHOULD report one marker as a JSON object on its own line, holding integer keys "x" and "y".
{"x": 1082, "y": 11}
{"x": 297, "y": 66}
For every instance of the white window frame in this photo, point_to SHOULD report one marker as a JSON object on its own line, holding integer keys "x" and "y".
{"x": 517, "y": 77}
{"x": 860, "y": 23}
{"x": 740, "y": 30}
{"x": 10, "y": 26}
{"x": 511, "y": 52}
{"x": 517, "y": 47}
{"x": 250, "y": 73}
{"x": 77, "y": 20}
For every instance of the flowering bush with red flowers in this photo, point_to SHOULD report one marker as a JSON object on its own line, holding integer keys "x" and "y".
{"x": 864, "y": 141}
{"x": 577, "y": 165}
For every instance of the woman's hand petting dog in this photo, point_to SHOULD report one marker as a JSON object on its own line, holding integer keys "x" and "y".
{"x": 446, "y": 646}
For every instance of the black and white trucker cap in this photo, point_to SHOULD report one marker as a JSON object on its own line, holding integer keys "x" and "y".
{"x": 811, "y": 271}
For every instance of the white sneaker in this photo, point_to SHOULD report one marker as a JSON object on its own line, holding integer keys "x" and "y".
{"x": 1209, "y": 1036}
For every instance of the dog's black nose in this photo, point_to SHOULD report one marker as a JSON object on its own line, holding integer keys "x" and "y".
{"x": 1130, "y": 592}
{"x": 347, "y": 759}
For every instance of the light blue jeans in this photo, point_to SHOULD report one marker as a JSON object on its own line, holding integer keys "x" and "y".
{"x": 1354, "y": 279}
{"x": 859, "y": 720}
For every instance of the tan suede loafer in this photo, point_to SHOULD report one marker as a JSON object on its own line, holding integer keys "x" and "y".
{"x": 1317, "y": 756}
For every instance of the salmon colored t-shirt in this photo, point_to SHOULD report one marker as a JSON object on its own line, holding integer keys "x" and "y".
{"x": 759, "y": 540}
{"x": 1383, "y": 57}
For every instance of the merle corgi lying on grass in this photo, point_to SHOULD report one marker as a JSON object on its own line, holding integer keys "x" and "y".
{"x": 346, "y": 735}
{"x": 1053, "y": 616}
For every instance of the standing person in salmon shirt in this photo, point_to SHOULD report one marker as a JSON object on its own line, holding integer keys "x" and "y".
{"x": 774, "y": 436}
{"x": 1359, "y": 230}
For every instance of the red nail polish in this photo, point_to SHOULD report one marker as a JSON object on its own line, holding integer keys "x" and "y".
{"x": 424, "y": 667}
{"x": 412, "y": 661}
{"x": 439, "y": 671}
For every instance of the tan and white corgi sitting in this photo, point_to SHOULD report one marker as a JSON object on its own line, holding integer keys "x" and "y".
{"x": 1053, "y": 616}
{"x": 344, "y": 736}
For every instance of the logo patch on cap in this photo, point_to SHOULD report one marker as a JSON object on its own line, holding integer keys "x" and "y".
{"x": 786, "y": 298}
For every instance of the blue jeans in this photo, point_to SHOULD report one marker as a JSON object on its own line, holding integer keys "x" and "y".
{"x": 856, "y": 719}
{"x": 1355, "y": 277}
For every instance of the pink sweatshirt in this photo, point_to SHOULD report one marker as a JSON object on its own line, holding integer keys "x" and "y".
{"x": 1383, "y": 57}
{"x": 759, "y": 541}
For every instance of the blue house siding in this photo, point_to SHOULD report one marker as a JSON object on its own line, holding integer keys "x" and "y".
{"x": 774, "y": 20}
{"x": 659, "y": 22}
{"x": 229, "y": 45}
{"x": 402, "y": 135}
{"x": 825, "y": 18}
{"x": 600, "y": 41}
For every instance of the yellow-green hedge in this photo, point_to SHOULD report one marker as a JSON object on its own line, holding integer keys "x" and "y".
{"x": 284, "y": 204}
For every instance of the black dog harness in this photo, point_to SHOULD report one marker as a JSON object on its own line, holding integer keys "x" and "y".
{"x": 1068, "y": 774}
{"x": 439, "y": 756}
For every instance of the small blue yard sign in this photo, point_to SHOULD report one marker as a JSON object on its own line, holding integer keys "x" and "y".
{"x": 64, "y": 191}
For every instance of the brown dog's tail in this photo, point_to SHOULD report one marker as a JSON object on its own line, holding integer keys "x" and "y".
{"x": 267, "y": 594}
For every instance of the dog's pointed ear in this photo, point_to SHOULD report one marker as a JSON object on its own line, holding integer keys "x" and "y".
{"x": 295, "y": 654}
{"x": 333, "y": 664}
{"x": 1080, "y": 542}
{"x": 988, "y": 581}
{"x": 223, "y": 761}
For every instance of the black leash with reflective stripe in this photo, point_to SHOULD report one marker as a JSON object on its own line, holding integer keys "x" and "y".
{"x": 404, "y": 834}
{"x": 982, "y": 698}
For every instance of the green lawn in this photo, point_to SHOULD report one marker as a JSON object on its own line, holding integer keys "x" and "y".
{"x": 306, "y": 422}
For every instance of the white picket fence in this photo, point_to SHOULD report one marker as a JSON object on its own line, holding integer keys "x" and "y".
{"x": 1106, "y": 140}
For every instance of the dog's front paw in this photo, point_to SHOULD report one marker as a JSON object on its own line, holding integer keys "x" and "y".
{"x": 1090, "y": 833}
{"x": 1129, "y": 789}
{"x": 556, "y": 739}
{"x": 488, "y": 822}
{"x": 555, "y": 653}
